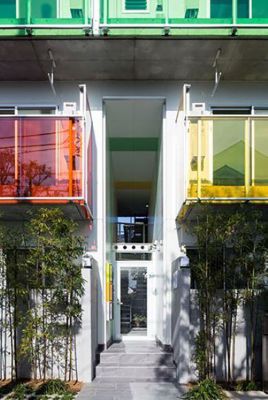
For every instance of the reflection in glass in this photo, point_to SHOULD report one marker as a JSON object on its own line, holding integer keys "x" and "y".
{"x": 40, "y": 157}
{"x": 221, "y": 8}
{"x": 228, "y": 153}
{"x": 7, "y": 158}
{"x": 134, "y": 301}
{"x": 260, "y": 162}
{"x": 7, "y": 8}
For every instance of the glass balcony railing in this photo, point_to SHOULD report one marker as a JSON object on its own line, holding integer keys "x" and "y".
{"x": 228, "y": 158}
{"x": 173, "y": 13}
{"x": 44, "y": 159}
{"x": 45, "y": 12}
{"x": 60, "y": 15}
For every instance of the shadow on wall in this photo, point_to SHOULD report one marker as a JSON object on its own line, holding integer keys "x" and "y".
{"x": 181, "y": 320}
{"x": 94, "y": 314}
{"x": 92, "y": 237}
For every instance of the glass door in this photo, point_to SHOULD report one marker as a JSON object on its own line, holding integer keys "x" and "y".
{"x": 133, "y": 310}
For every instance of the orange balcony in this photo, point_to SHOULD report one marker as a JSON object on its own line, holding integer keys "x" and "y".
{"x": 43, "y": 160}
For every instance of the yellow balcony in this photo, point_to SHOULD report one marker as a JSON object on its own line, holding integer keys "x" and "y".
{"x": 227, "y": 159}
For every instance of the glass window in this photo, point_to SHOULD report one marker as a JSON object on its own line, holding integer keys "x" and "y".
{"x": 228, "y": 153}
{"x": 242, "y": 8}
{"x": 7, "y": 110}
{"x": 261, "y": 152}
{"x": 259, "y": 8}
{"x": 135, "y": 5}
{"x": 221, "y": 8}
{"x": 7, "y": 8}
{"x": 37, "y": 111}
{"x": 76, "y": 8}
{"x": 231, "y": 110}
{"x": 44, "y": 8}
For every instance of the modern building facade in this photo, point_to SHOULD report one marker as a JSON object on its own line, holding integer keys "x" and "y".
{"x": 135, "y": 111}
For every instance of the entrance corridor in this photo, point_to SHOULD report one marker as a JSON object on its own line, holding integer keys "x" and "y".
{"x": 134, "y": 371}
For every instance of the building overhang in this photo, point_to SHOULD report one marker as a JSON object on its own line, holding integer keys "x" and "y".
{"x": 190, "y": 210}
{"x": 165, "y": 58}
{"x": 23, "y": 210}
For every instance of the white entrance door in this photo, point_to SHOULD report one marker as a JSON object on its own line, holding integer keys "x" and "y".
{"x": 134, "y": 301}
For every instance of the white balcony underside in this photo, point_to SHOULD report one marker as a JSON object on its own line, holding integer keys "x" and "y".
{"x": 132, "y": 58}
{"x": 20, "y": 211}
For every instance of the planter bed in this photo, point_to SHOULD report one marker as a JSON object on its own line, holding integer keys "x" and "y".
{"x": 39, "y": 389}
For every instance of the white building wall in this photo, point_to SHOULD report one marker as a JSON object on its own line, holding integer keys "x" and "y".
{"x": 228, "y": 93}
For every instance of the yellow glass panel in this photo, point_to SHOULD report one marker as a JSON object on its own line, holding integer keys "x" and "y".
{"x": 229, "y": 152}
{"x": 260, "y": 155}
{"x": 192, "y": 170}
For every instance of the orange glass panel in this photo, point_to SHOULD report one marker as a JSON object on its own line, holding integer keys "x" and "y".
{"x": 8, "y": 187}
{"x": 37, "y": 156}
{"x": 89, "y": 172}
{"x": 40, "y": 157}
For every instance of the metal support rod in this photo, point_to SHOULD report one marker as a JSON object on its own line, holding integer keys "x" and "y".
{"x": 51, "y": 74}
{"x": 217, "y": 73}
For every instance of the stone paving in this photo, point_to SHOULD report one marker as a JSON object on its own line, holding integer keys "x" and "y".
{"x": 131, "y": 391}
{"x": 247, "y": 395}
{"x": 148, "y": 391}
{"x": 141, "y": 371}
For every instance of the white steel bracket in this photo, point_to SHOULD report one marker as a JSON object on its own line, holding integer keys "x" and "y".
{"x": 184, "y": 104}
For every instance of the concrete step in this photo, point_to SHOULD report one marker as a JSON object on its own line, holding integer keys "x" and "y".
{"x": 135, "y": 359}
{"x": 132, "y": 347}
{"x": 134, "y": 374}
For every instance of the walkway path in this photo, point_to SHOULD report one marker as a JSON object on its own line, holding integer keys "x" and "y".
{"x": 140, "y": 371}
{"x": 137, "y": 370}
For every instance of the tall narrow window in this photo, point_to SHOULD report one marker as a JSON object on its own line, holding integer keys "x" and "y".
{"x": 242, "y": 8}
{"x": 259, "y": 8}
{"x": 7, "y": 8}
{"x": 221, "y": 8}
{"x": 191, "y": 8}
{"x": 133, "y": 5}
{"x": 260, "y": 156}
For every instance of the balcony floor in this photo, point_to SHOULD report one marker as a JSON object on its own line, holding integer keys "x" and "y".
{"x": 85, "y": 58}
{"x": 20, "y": 211}
{"x": 191, "y": 209}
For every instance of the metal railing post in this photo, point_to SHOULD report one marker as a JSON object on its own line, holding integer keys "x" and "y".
{"x": 86, "y": 11}
{"x": 234, "y": 11}
{"x": 166, "y": 12}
